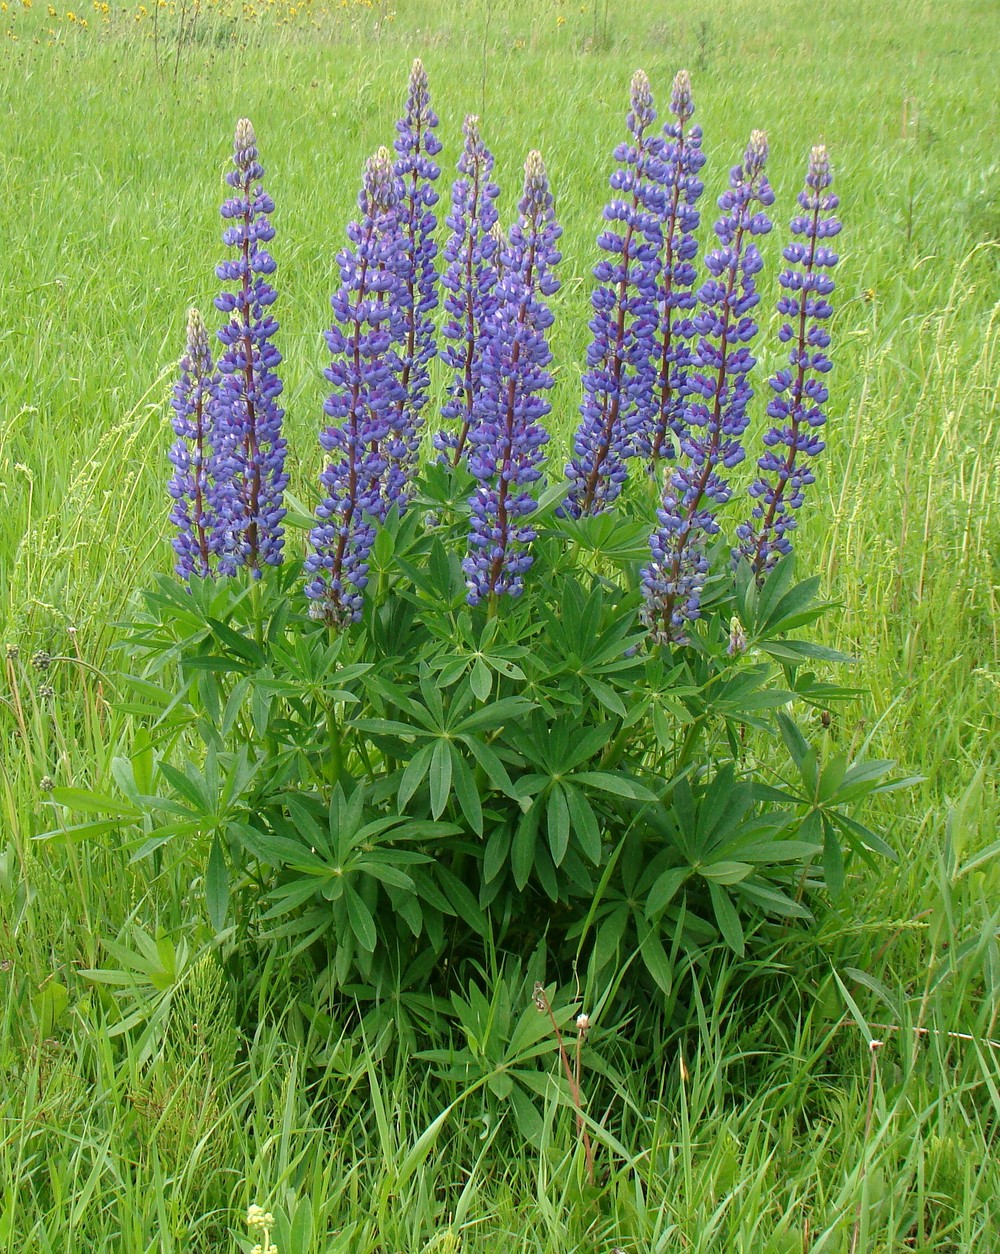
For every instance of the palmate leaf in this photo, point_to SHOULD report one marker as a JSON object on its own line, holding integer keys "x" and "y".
{"x": 497, "y": 852}
{"x": 771, "y": 901}
{"x": 615, "y": 784}
{"x": 439, "y": 773}
{"x": 466, "y": 792}
{"x": 725, "y": 872}
{"x": 522, "y": 853}
{"x": 607, "y": 536}
{"x": 659, "y": 966}
{"x": 414, "y": 774}
{"x": 728, "y": 919}
{"x": 557, "y": 823}
{"x": 584, "y": 821}
{"x": 386, "y": 872}
{"x": 665, "y": 889}
{"x": 495, "y": 715}
{"x": 362, "y": 923}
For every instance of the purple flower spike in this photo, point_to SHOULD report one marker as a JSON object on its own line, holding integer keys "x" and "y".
{"x": 618, "y": 382}
{"x": 190, "y": 486}
{"x": 800, "y": 392}
{"x": 369, "y": 313}
{"x": 249, "y": 448}
{"x": 506, "y": 442}
{"x": 469, "y": 282}
{"x": 682, "y": 159}
{"x": 416, "y": 145}
{"x": 718, "y": 391}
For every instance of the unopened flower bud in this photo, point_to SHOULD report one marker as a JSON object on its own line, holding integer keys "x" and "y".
{"x": 681, "y": 102}
{"x": 642, "y": 101}
{"x": 737, "y": 638}
{"x": 755, "y": 157}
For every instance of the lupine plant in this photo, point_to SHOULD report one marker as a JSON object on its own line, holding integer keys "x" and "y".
{"x": 516, "y": 739}
{"x": 508, "y": 437}
{"x": 248, "y": 445}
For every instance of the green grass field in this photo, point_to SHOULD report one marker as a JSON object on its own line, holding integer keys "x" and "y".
{"x": 754, "y": 1133}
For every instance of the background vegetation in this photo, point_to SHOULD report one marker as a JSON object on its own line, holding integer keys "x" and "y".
{"x": 753, "y": 1130}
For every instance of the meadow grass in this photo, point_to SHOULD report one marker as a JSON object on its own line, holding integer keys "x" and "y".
{"x": 753, "y": 1132}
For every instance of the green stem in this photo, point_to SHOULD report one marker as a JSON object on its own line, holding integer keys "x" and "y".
{"x": 690, "y": 740}
{"x": 612, "y": 754}
{"x": 257, "y": 613}
{"x": 336, "y": 763}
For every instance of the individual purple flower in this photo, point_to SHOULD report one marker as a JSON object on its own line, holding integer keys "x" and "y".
{"x": 249, "y": 448}
{"x": 718, "y": 391}
{"x": 800, "y": 392}
{"x": 682, "y": 160}
{"x": 365, "y": 373}
{"x": 506, "y": 442}
{"x": 469, "y": 281}
{"x": 190, "y": 486}
{"x": 618, "y": 382}
{"x": 416, "y": 146}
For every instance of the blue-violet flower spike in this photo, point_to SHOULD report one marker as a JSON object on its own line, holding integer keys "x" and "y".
{"x": 800, "y": 392}
{"x": 682, "y": 159}
{"x": 620, "y": 375}
{"x": 416, "y": 146}
{"x": 249, "y": 448}
{"x": 507, "y": 439}
{"x": 469, "y": 282}
{"x": 365, "y": 368}
{"x": 191, "y": 485}
{"x": 718, "y": 391}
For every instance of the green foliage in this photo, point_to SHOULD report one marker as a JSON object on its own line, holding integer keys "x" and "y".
{"x": 440, "y": 783}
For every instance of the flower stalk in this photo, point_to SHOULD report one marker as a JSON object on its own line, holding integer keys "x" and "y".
{"x": 682, "y": 159}
{"x": 618, "y": 382}
{"x": 800, "y": 393}
{"x": 249, "y": 448}
{"x": 469, "y": 280}
{"x": 718, "y": 391}
{"x": 416, "y": 146}
{"x": 364, "y": 371}
{"x": 190, "y": 486}
{"x": 507, "y": 440}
